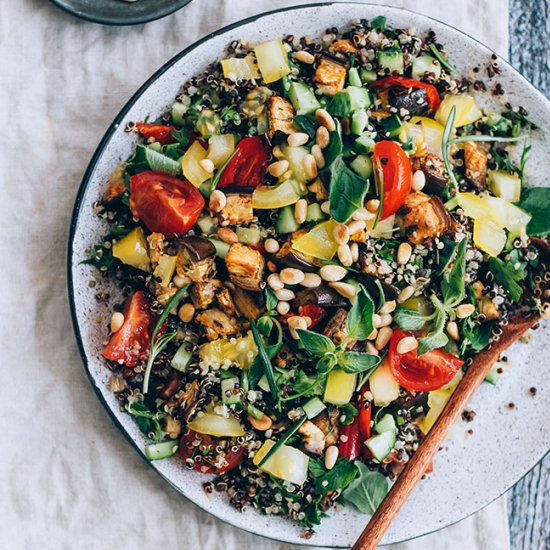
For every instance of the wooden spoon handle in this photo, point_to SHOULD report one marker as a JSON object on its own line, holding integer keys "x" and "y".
{"x": 417, "y": 466}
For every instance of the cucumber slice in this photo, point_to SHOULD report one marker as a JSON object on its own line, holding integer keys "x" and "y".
{"x": 303, "y": 98}
{"x": 263, "y": 384}
{"x": 359, "y": 121}
{"x": 314, "y": 213}
{"x": 423, "y": 64}
{"x": 207, "y": 225}
{"x": 182, "y": 357}
{"x": 362, "y": 165}
{"x": 383, "y": 386}
{"x": 367, "y": 76}
{"x": 392, "y": 125}
{"x": 228, "y": 395}
{"x": 504, "y": 185}
{"x": 364, "y": 143}
{"x": 158, "y": 451}
{"x": 360, "y": 98}
{"x": 249, "y": 235}
{"x": 381, "y": 445}
{"x": 313, "y": 407}
{"x": 179, "y": 111}
{"x": 353, "y": 77}
{"x": 222, "y": 248}
{"x": 255, "y": 412}
{"x": 385, "y": 424}
{"x": 286, "y": 221}
{"x": 391, "y": 59}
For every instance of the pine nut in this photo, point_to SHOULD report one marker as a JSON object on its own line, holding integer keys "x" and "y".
{"x": 373, "y": 206}
{"x": 275, "y": 282}
{"x": 376, "y": 320}
{"x": 323, "y": 117}
{"x": 370, "y": 348}
{"x": 344, "y": 255}
{"x": 322, "y": 137}
{"x": 296, "y": 323}
{"x": 117, "y": 320}
{"x": 388, "y": 307}
{"x": 341, "y": 233}
{"x": 277, "y": 169}
{"x": 186, "y": 312}
{"x": 356, "y": 226}
{"x": 325, "y": 207}
{"x": 354, "y": 249}
{"x": 331, "y": 456}
{"x": 227, "y": 235}
{"x": 318, "y": 156}
{"x": 310, "y": 166}
{"x": 311, "y": 280}
{"x": 373, "y": 334}
{"x": 404, "y": 253}
{"x": 300, "y": 211}
{"x": 297, "y": 139}
{"x": 464, "y": 310}
{"x": 271, "y": 246}
{"x": 261, "y": 424}
{"x": 363, "y": 214}
{"x": 405, "y": 294}
{"x": 283, "y": 308}
{"x": 418, "y": 180}
{"x": 409, "y": 343}
{"x": 207, "y": 165}
{"x": 304, "y": 57}
{"x": 332, "y": 273}
{"x": 285, "y": 294}
{"x": 385, "y": 320}
{"x": 384, "y": 336}
{"x": 291, "y": 276}
{"x": 452, "y": 330}
{"x": 217, "y": 201}
{"x": 344, "y": 289}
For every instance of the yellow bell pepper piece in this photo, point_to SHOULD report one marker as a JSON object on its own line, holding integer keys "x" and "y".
{"x": 272, "y": 60}
{"x": 133, "y": 250}
{"x": 319, "y": 242}
{"x": 165, "y": 269}
{"x": 190, "y": 164}
{"x": 489, "y": 237}
{"x": 466, "y": 110}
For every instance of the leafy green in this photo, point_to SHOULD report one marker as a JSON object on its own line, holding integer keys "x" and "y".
{"x": 410, "y": 319}
{"x": 378, "y": 23}
{"x": 271, "y": 299}
{"x": 379, "y": 180}
{"x": 436, "y": 338}
{"x": 367, "y": 492}
{"x": 477, "y": 335}
{"x": 347, "y": 413}
{"x": 536, "y": 201}
{"x": 355, "y": 362}
{"x": 264, "y": 358}
{"x": 282, "y": 440}
{"x": 446, "y": 255}
{"x": 182, "y": 137}
{"x": 339, "y": 477}
{"x": 442, "y": 59}
{"x": 147, "y": 420}
{"x": 507, "y": 276}
{"x": 307, "y": 124}
{"x": 315, "y": 343}
{"x": 219, "y": 173}
{"x": 333, "y": 150}
{"x": 359, "y": 323}
{"x": 452, "y": 285}
{"x": 326, "y": 363}
{"x": 161, "y": 163}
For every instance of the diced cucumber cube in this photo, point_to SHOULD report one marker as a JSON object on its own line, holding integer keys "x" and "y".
{"x": 229, "y": 396}
{"x": 423, "y": 64}
{"x": 391, "y": 59}
{"x": 381, "y": 445}
{"x": 222, "y": 248}
{"x": 286, "y": 221}
{"x": 364, "y": 143}
{"x": 182, "y": 357}
{"x": 313, "y": 407}
{"x": 158, "y": 451}
{"x": 314, "y": 213}
{"x": 392, "y": 125}
{"x": 249, "y": 235}
{"x": 367, "y": 76}
{"x": 362, "y": 165}
{"x": 207, "y": 225}
{"x": 359, "y": 121}
{"x": 385, "y": 424}
{"x": 353, "y": 77}
{"x": 303, "y": 98}
{"x": 359, "y": 98}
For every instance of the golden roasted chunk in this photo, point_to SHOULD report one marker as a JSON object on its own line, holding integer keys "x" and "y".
{"x": 245, "y": 266}
{"x": 330, "y": 76}
{"x": 336, "y": 328}
{"x": 116, "y": 184}
{"x": 318, "y": 187}
{"x": 225, "y": 301}
{"x": 475, "y": 164}
{"x": 217, "y": 324}
{"x": 203, "y": 293}
{"x": 196, "y": 256}
{"x": 281, "y": 116}
{"x": 328, "y": 423}
{"x": 343, "y": 46}
{"x": 238, "y": 209}
{"x": 426, "y": 218}
{"x": 156, "y": 246}
{"x": 434, "y": 171}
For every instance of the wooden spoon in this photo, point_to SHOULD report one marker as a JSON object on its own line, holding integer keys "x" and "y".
{"x": 421, "y": 459}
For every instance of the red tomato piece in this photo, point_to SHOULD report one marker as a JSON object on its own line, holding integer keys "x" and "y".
{"x": 432, "y": 95}
{"x": 131, "y": 342}
{"x": 397, "y": 171}
{"x": 204, "y": 461}
{"x": 350, "y": 440}
{"x": 426, "y": 372}
{"x": 313, "y": 311}
{"x": 365, "y": 414}
{"x": 248, "y": 166}
{"x": 161, "y": 133}
{"x": 165, "y": 203}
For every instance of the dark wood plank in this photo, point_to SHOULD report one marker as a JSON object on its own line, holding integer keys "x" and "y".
{"x": 529, "y": 500}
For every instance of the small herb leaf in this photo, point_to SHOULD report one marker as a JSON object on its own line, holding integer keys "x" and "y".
{"x": 355, "y": 362}
{"x": 360, "y": 317}
{"x": 367, "y": 492}
{"x": 315, "y": 343}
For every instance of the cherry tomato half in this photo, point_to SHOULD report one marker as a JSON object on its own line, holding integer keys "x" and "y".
{"x": 131, "y": 342}
{"x": 432, "y": 95}
{"x": 205, "y": 461}
{"x": 426, "y": 372}
{"x": 164, "y": 203}
{"x": 161, "y": 133}
{"x": 248, "y": 166}
{"x": 397, "y": 171}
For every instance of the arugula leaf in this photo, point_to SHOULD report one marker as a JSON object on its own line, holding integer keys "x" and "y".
{"x": 410, "y": 319}
{"x": 307, "y": 124}
{"x": 339, "y": 477}
{"x": 378, "y": 23}
{"x": 507, "y": 275}
{"x": 147, "y": 420}
{"x": 161, "y": 163}
{"x": 478, "y": 336}
{"x": 355, "y": 362}
{"x": 359, "y": 323}
{"x": 452, "y": 285}
{"x": 368, "y": 491}
{"x": 436, "y": 338}
{"x": 315, "y": 343}
{"x": 536, "y": 201}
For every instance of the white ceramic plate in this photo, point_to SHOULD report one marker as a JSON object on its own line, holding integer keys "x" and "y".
{"x": 468, "y": 474}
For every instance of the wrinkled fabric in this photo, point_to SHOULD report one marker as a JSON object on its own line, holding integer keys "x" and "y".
{"x": 68, "y": 477}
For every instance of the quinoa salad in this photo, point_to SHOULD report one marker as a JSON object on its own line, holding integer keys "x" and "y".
{"x": 312, "y": 244}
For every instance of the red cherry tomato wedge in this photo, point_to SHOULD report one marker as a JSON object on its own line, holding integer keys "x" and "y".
{"x": 314, "y": 312}
{"x": 131, "y": 342}
{"x": 432, "y": 95}
{"x": 161, "y": 133}
{"x": 204, "y": 461}
{"x": 248, "y": 166}
{"x": 427, "y": 372}
{"x": 397, "y": 171}
{"x": 351, "y": 440}
{"x": 164, "y": 203}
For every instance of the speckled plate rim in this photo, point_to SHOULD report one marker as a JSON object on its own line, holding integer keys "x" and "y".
{"x": 137, "y": 20}
{"x": 79, "y": 202}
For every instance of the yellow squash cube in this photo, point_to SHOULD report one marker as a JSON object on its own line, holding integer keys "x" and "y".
{"x": 133, "y": 250}
{"x": 286, "y": 463}
{"x": 272, "y": 60}
{"x": 340, "y": 387}
{"x": 190, "y": 164}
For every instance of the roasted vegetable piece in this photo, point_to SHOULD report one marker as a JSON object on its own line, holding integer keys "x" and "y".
{"x": 390, "y": 292}
{"x": 328, "y": 423}
{"x": 248, "y": 166}
{"x": 203, "y": 293}
{"x": 281, "y": 116}
{"x": 330, "y": 76}
{"x": 434, "y": 170}
{"x": 238, "y": 209}
{"x": 246, "y": 267}
{"x": 343, "y": 46}
{"x": 217, "y": 324}
{"x": 426, "y": 218}
{"x": 414, "y": 100}
{"x": 246, "y": 304}
{"x": 313, "y": 437}
{"x": 195, "y": 258}
{"x": 157, "y": 132}
{"x": 226, "y": 303}
{"x": 288, "y": 257}
{"x": 475, "y": 164}
{"x": 336, "y": 328}
{"x": 321, "y": 296}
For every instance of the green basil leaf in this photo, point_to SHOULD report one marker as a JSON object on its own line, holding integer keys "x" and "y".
{"x": 339, "y": 477}
{"x": 315, "y": 343}
{"x": 506, "y": 275}
{"x": 409, "y": 319}
{"x": 359, "y": 323}
{"x": 161, "y": 163}
{"x": 333, "y": 151}
{"x": 347, "y": 413}
{"x": 436, "y": 338}
{"x": 271, "y": 299}
{"x": 355, "y": 362}
{"x": 326, "y": 364}
{"x": 307, "y": 124}
{"x": 367, "y": 492}
{"x": 446, "y": 255}
{"x": 452, "y": 285}
{"x": 536, "y": 201}
{"x": 378, "y": 23}
{"x": 308, "y": 386}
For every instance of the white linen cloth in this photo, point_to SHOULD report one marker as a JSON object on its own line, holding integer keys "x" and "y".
{"x": 68, "y": 478}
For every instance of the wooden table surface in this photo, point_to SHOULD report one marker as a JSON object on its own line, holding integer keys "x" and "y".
{"x": 529, "y": 500}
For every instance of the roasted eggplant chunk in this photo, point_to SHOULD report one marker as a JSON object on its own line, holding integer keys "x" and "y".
{"x": 226, "y": 303}
{"x": 290, "y": 258}
{"x": 434, "y": 170}
{"x": 238, "y": 209}
{"x": 475, "y": 164}
{"x": 203, "y": 293}
{"x": 320, "y": 296}
{"x": 336, "y": 328}
{"x": 245, "y": 266}
{"x": 217, "y": 324}
{"x": 246, "y": 304}
{"x": 196, "y": 257}
{"x": 413, "y": 100}
{"x": 281, "y": 116}
{"x": 330, "y": 76}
